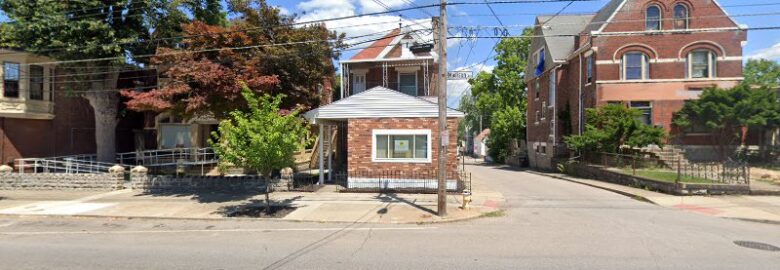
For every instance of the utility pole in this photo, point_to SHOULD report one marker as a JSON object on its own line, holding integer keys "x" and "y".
{"x": 443, "y": 134}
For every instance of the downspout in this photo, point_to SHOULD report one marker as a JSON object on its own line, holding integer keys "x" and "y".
{"x": 579, "y": 96}
{"x": 341, "y": 81}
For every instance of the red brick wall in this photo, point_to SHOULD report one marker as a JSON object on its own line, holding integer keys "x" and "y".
{"x": 359, "y": 143}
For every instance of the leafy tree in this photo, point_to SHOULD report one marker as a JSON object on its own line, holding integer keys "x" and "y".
{"x": 729, "y": 113}
{"x": 762, "y": 73}
{"x": 97, "y": 38}
{"x": 508, "y": 124}
{"x": 612, "y": 126}
{"x": 203, "y": 80}
{"x": 502, "y": 90}
{"x": 260, "y": 138}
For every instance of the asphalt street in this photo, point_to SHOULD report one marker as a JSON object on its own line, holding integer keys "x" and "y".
{"x": 548, "y": 224}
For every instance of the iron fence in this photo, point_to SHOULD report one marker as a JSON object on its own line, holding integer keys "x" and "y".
{"x": 675, "y": 170}
{"x": 384, "y": 181}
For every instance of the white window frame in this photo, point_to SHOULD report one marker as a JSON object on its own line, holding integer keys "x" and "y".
{"x": 406, "y": 72}
{"x": 660, "y": 18}
{"x": 687, "y": 16}
{"x": 712, "y": 64}
{"x": 645, "y": 75}
{"x": 410, "y": 132}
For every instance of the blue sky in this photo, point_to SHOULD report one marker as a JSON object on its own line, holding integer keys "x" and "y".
{"x": 764, "y": 44}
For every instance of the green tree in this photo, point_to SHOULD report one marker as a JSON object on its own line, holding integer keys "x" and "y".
{"x": 97, "y": 39}
{"x": 762, "y": 73}
{"x": 610, "y": 127}
{"x": 260, "y": 138}
{"x": 729, "y": 113}
{"x": 508, "y": 124}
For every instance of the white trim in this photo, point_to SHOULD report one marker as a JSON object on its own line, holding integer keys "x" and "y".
{"x": 722, "y": 50}
{"x": 644, "y": 66}
{"x": 670, "y": 80}
{"x": 411, "y": 132}
{"x": 614, "y": 55}
{"x": 609, "y": 20}
{"x": 387, "y": 59}
{"x": 391, "y": 46}
{"x": 670, "y": 60}
{"x": 712, "y": 66}
{"x": 660, "y": 16}
{"x": 672, "y": 31}
{"x": 416, "y": 82}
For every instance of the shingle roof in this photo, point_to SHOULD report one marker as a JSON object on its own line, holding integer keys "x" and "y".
{"x": 603, "y": 15}
{"x": 378, "y": 102}
{"x": 561, "y": 46}
{"x": 376, "y": 48}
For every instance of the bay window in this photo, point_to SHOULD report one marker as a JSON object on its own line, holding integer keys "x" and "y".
{"x": 36, "y": 82}
{"x": 402, "y": 146}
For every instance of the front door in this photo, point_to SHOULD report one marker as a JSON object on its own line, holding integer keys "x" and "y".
{"x": 358, "y": 83}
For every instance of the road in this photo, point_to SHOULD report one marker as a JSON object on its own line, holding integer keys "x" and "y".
{"x": 548, "y": 224}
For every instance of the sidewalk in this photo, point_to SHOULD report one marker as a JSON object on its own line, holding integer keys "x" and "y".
{"x": 754, "y": 208}
{"x": 323, "y": 206}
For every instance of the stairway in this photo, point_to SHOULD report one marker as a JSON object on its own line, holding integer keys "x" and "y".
{"x": 328, "y": 132}
{"x": 669, "y": 155}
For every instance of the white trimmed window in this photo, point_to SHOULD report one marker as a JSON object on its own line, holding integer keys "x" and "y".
{"x": 647, "y": 111}
{"x": 635, "y": 66}
{"x": 702, "y": 64}
{"x": 11, "y": 79}
{"x": 407, "y": 83}
{"x": 401, "y": 145}
{"x": 681, "y": 16}
{"x": 653, "y": 18}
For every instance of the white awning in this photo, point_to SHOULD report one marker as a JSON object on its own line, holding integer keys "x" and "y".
{"x": 379, "y": 102}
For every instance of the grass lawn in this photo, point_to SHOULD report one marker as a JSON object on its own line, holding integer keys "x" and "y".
{"x": 666, "y": 176}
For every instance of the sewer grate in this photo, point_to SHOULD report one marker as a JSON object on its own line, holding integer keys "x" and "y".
{"x": 757, "y": 245}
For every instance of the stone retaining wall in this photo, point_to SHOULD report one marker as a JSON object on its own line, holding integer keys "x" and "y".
{"x": 591, "y": 172}
{"x": 162, "y": 183}
{"x": 61, "y": 181}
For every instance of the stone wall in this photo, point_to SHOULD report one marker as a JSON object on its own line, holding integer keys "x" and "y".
{"x": 164, "y": 183}
{"x": 61, "y": 181}
{"x": 596, "y": 173}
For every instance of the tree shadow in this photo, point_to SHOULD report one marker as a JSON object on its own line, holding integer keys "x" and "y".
{"x": 204, "y": 195}
{"x": 276, "y": 205}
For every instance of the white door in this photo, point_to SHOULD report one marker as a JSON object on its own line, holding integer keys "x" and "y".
{"x": 358, "y": 83}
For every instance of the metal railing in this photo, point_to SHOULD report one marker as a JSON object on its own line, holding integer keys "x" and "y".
{"x": 400, "y": 181}
{"x": 169, "y": 157}
{"x": 62, "y": 164}
{"x": 677, "y": 170}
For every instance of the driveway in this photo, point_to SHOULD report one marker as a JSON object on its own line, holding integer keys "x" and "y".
{"x": 548, "y": 224}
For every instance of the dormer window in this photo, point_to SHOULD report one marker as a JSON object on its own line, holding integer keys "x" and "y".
{"x": 10, "y": 79}
{"x": 681, "y": 16}
{"x": 653, "y": 18}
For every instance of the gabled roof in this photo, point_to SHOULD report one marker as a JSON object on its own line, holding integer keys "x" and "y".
{"x": 378, "y": 102}
{"x": 603, "y": 15}
{"x": 376, "y": 48}
{"x": 561, "y": 46}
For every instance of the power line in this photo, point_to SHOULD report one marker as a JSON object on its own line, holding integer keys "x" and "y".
{"x": 766, "y": 28}
{"x": 591, "y": 13}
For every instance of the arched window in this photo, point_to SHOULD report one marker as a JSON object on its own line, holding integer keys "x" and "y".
{"x": 635, "y": 66}
{"x": 681, "y": 16}
{"x": 653, "y": 18}
{"x": 702, "y": 64}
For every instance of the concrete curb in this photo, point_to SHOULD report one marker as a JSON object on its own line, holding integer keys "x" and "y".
{"x": 627, "y": 194}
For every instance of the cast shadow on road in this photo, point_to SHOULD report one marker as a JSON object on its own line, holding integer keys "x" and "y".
{"x": 288, "y": 204}
{"x": 392, "y": 197}
{"x": 206, "y": 196}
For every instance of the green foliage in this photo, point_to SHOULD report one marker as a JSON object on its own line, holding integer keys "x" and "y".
{"x": 508, "y": 124}
{"x": 500, "y": 93}
{"x": 612, "y": 126}
{"x": 762, "y": 73}
{"x": 260, "y": 138}
{"x": 726, "y": 112}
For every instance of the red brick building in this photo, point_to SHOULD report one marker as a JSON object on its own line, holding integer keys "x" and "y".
{"x": 386, "y": 122}
{"x": 651, "y": 55}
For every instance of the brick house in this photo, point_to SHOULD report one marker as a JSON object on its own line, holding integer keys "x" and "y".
{"x": 651, "y": 55}
{"x": 386, "y": 122}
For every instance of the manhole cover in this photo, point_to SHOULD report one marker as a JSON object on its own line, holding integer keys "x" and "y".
{"x": 757, "y": 245}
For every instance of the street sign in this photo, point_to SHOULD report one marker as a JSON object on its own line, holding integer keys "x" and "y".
{"x": 459, "y": 75}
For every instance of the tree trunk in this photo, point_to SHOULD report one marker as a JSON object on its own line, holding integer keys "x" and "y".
{"x": 104, "y": 100}
{"x": 267, "y": 195}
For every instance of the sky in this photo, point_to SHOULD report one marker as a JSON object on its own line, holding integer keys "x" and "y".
{"x": 477, "y": 54}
